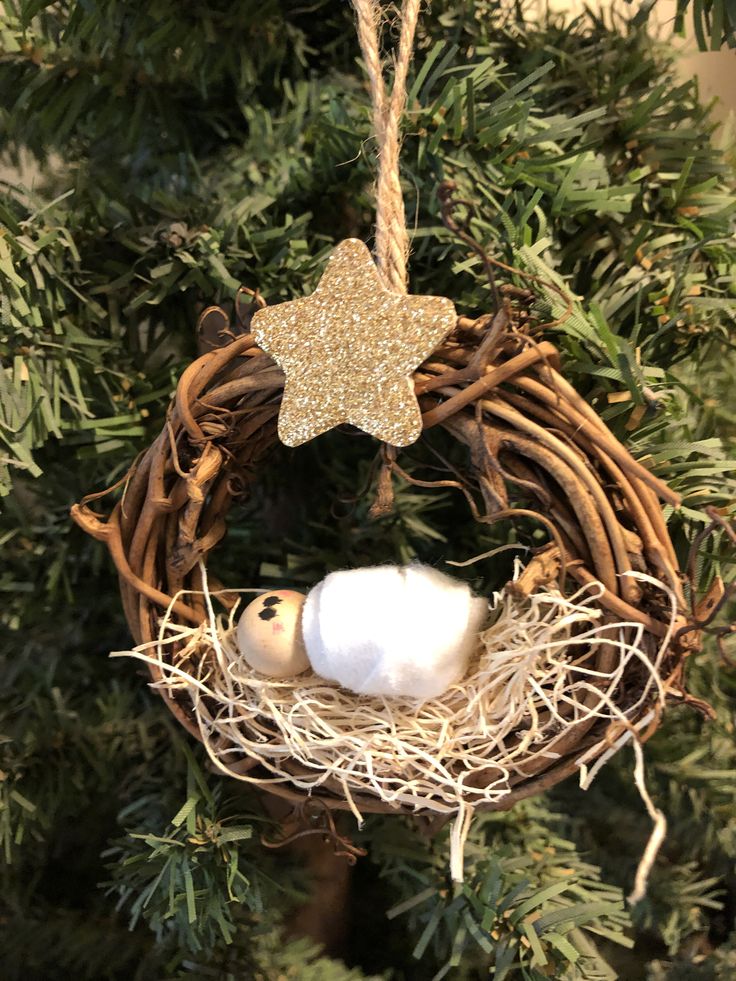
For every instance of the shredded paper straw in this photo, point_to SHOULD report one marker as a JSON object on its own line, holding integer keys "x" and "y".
{"x": 533, "y": 677}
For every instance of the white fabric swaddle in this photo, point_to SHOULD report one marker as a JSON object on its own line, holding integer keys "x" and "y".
{"x": 391, "y": 630}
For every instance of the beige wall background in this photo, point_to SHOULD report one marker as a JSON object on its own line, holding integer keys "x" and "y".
{"x": 715, "y": 70}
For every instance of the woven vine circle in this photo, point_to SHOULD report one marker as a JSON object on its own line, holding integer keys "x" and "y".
{"x": 535, "y": 449}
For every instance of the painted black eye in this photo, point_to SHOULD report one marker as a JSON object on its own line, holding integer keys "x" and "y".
{"x": 268, "y": 614}
{"x": 272, "y": 601}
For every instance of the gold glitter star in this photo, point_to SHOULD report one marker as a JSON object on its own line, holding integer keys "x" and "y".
{"x": 348, "y": 351}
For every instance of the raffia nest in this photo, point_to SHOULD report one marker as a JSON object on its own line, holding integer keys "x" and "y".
{"x": 583, "y": 647}
{"x": 529, "y": 681}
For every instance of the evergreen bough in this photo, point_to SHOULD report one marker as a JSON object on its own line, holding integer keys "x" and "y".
{"x": 184, "y": 150}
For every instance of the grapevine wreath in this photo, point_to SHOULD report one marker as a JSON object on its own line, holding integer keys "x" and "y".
{"x": 576, "y": 655}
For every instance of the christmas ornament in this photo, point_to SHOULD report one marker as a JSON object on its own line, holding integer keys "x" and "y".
{"x": 587, "y": 643}
{"x": 392, "y": 631}
{"x": 349, "y": 349}
{"x": 270, "y": 634}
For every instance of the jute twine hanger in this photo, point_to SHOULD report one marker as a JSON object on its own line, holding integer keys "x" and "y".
{"x": 392, "y": 238}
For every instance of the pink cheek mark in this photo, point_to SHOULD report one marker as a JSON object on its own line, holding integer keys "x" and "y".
{"x": 277, "y": 628}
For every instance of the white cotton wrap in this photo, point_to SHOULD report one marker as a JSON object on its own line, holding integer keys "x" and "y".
{"x": 390, "y": 630}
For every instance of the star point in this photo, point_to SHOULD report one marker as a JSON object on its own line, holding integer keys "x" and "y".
{"x": 349, "y": 350}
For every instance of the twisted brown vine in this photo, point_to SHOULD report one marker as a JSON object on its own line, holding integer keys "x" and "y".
{"x": 536, "y": 450}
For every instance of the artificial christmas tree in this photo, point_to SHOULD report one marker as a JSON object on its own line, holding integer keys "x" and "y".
{"x": 237, "y": 159}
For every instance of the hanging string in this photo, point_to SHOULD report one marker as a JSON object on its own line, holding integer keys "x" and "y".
{"x": 392, "y": 239}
